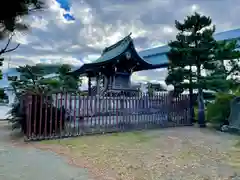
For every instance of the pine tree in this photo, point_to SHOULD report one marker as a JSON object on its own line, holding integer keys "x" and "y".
{"x": 68, "y": 82}
{"x": 223, "y": 77}
{"x": 9, "y": 19}
{"x": 194, "y": 47}
{"x": 10, "y": 14}
{"x": 12, "y": 10}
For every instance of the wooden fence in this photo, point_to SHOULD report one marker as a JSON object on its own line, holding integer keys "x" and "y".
{"x": 66, "y": 115}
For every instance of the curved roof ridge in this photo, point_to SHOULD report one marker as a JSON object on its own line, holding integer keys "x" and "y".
{"x": 127, "y": 38}
{"x": 114, "y": 50}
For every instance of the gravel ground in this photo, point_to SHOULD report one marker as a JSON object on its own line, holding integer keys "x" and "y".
{"x": 185, "y": 153}
{"x": 170, "y": 154}
{"x": 30, "y": 163}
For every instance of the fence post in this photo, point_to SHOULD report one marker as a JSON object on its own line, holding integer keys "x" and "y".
{"x": 28, "y": 105}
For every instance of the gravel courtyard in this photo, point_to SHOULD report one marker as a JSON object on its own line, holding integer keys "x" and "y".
{"x": 185, "y": 153}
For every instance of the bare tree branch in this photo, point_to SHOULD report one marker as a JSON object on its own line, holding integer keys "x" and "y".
{"x": 9, "y": 40}
{"x": 5, "y": 50}
{"x": 9, "y": 50}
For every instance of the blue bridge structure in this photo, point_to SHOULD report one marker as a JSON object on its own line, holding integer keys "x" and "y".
{"x": 157, "y": 56}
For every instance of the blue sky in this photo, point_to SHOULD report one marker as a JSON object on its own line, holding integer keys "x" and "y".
{"x": 64, "y": 4}
{"x": 76, "y": 31}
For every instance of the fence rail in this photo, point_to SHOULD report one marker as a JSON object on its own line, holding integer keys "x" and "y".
{"x": 66, "y": 115}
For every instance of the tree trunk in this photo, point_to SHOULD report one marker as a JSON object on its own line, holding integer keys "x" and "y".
{"x": 192, "y": 114}
{"x": 201, "y": 108}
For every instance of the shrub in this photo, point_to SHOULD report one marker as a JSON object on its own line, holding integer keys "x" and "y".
{"x": 218, "y": 111}
{"x": 196, "y": 114}
{"x": 41, "y": 114}
{"x": 17, "y": 116}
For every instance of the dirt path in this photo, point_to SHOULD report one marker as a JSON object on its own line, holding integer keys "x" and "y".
{"x": 30, "y": 163}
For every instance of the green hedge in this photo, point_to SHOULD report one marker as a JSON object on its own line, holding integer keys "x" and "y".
{"x": 218, "y": 111}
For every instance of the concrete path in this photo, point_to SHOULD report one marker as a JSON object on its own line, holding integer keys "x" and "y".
{"x": 33, "y": 164}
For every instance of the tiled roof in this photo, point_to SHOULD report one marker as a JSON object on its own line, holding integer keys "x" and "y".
{"x": 114, "y": 50}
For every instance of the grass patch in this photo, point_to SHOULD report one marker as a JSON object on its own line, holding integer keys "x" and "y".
{"x": 113, "y": 138}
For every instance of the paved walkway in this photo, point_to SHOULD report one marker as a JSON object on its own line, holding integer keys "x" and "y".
{"x": 33, "y": 164}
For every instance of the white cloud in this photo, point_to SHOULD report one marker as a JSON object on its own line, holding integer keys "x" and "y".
{"x": 194, "y": 8}
{"x": 168, "y": 30}
{"x": 97, "y": 24}
{"x": 39, "y": 23}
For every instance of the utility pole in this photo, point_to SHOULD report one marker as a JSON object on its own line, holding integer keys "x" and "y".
{"x": 8, "y": 60}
